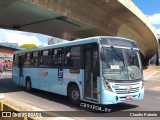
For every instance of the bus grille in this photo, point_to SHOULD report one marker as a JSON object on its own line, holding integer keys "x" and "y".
{"x": 127, "y": 91}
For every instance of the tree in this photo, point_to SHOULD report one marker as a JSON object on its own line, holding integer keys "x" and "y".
{"x": 28, "y": 46}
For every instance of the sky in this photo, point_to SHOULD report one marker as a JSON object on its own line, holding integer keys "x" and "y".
{"x": 151, "y": 8}
{"x": 23, "y": 37}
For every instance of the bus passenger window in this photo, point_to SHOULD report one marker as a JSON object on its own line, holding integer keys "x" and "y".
{"x": 75, "y": 52}
{"x": 72, "y": 57}
{"x": 45, "y": 58}
{"x": 15, "y": 60}
{"x": 57, "y": 57}
{"x": 35, "y": 60}
{"x": 68, "y": 62}
{"x": 27, "y": 59}
{"x": 53, "y": 53}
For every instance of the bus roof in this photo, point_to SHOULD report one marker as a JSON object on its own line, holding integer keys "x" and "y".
{"x": 71, "y": 43}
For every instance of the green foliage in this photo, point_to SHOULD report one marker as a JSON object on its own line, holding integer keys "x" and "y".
{"x": 157, "y": 67}
{"x": 28, "y": 46}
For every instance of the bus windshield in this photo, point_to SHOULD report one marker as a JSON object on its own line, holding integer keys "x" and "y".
{"x": 121, "y": 64}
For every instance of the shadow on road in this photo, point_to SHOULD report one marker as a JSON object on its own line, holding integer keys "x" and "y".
{"x": 64, "y": 100}
{"x": 81, "y": 111}
{"x": 7, "y": 85}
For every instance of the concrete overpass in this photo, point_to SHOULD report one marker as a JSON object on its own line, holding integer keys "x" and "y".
{"x": 70, "y": 19}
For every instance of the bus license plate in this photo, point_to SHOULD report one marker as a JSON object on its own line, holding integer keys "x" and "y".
{"x": 129, "y": 97}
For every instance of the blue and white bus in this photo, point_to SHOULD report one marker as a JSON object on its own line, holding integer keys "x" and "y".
{"x": 103, "y": 70}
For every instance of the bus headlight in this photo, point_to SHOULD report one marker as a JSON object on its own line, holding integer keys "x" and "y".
{"x": 107, "y": 86}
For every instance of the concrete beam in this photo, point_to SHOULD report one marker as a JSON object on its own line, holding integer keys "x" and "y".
{"x": 70, "y": 19}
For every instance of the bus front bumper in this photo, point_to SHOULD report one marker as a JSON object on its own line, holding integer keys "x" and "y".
{"x": 108, "y": 97}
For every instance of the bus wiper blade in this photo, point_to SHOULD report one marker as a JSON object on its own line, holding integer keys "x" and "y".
{"x": 119, "y": 57}
{"x": 131, "y": 54}
{"x": 105, "y": 78}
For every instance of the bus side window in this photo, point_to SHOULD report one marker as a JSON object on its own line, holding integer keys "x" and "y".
{"x": 27, "y": 59}
{"x": 15, "y": 59}
{"x": 75, "y": 56}
{"x": 35, "y": 60}
{"x": 68, "y": 62}
{"x": 45, "y": 58}
{"x": 53, "y": 57}
{"x": 58, "y": 57}
{"x": 72, "y": 57}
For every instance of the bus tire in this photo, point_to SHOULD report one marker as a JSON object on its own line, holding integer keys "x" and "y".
{"x": 28, "y": 85}
{"x": 74, "y": 94}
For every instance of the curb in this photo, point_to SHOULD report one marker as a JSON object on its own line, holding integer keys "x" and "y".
{"x": 11, "y": 106}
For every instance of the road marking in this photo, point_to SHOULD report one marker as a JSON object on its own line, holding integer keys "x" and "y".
{"x": 151, "y": 74}
{"x": 1, "y": 96}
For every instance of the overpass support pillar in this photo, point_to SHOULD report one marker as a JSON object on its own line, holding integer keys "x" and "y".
{"x": 157, "y": 58}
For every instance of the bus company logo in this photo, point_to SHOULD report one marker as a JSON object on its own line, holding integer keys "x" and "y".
{"x": 129, "y": 87}
{"x": 43, "y": 73}
{"x": 60, "y": 73}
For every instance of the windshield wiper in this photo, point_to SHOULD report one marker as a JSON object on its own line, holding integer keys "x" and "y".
{"x": 119, "y": 57}
{"x": 131, "y": 56}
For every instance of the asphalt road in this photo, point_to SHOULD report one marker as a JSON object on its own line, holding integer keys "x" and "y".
{"x": 52, "y": 102}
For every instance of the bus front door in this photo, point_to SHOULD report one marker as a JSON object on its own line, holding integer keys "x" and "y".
{"x": 21, "y": 65}
{"x": 91, "y": 70}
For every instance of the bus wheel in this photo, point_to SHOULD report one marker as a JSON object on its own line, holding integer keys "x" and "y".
{"x": 74, "y": 94}
{"x": 28, "y": 85}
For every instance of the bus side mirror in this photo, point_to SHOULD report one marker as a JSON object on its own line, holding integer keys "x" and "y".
{"x": 102, "y": 56}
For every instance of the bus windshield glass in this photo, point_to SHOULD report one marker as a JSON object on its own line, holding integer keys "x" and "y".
{"x": 121, "y": 64}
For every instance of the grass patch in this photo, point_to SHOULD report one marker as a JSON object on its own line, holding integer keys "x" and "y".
{"x": 157, "y": 67}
